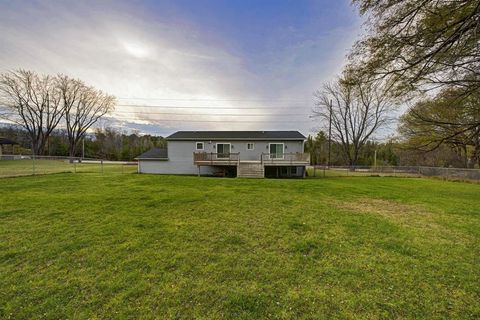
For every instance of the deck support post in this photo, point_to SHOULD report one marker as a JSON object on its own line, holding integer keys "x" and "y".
{"x": 198, "y": 171}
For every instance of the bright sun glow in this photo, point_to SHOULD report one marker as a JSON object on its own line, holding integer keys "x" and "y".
{"x": 136, "y": 49}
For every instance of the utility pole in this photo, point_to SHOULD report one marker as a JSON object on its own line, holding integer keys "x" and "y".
{"x": 329, "y": 134}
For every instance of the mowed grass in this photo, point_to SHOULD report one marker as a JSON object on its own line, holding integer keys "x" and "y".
{"x": 345, "y": 172}
{"x": 84, "y": 246}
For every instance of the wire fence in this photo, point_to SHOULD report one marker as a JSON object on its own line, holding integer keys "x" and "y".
{"x": 454, "y": 174}
{"x": 27, "y": 165}
{"x": 21, "y": 165}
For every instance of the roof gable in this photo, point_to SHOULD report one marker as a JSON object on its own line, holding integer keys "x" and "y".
{"x": 155, "y": 153}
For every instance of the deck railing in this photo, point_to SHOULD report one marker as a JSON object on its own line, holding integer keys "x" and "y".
{"x": 297, "y": 157}
{"x": 203, "y": 157}
{"x": 211, "y": 158}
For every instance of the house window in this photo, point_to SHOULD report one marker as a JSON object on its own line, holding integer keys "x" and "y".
{"x": 250, "y": 146}
{"x": 199, "y": 146}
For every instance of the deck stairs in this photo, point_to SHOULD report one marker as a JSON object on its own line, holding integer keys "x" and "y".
{"x": 251, "y": 169}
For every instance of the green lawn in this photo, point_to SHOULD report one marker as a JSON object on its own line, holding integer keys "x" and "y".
{"x": 83, "y": 246}
{"x": 14, "y": 168}
{"x": 344, "y": 172}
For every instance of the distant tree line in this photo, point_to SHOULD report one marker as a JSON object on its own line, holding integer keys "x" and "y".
{"x": 108, "y": 143}
{"x": 317, "y": 146}
{"x": 393, "y": 152}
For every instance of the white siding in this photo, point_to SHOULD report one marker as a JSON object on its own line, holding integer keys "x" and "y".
{"x": 180, "y": 161}
{"x": 171, "y": 167}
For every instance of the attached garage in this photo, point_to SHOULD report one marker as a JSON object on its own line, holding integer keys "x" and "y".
{"x": 153, "y": 161}
{"x": 157, "y": 161}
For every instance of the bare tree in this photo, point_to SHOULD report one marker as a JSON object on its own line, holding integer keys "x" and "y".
{"x": 84, "y": 106}
{"x": 356, "y": 111}
{"x": 33, "y": 102}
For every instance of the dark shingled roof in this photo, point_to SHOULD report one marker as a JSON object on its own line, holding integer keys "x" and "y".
{"x": 155, "y": 153}
{"x": 6, "y": 141}
{"x": 236, "y": 135}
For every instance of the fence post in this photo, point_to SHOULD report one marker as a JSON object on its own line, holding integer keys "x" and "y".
{"x": 101, "y": 164}
{"x": 74, "y": 166}
{"x": 33, "y": 164}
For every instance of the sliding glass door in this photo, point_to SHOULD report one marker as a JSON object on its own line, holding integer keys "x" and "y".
{"x": 276, "y": 150}
{"x": 223, "y": 150}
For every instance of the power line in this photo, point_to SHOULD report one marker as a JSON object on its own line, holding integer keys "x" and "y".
{"x": 219, "y": 121}
{"x": 206, "y": 107}
{"x": 214, "y": 114}
{"x": 212, "y": 100}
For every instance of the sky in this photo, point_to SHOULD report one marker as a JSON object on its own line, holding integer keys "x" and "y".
{"x": 188, "y": 65}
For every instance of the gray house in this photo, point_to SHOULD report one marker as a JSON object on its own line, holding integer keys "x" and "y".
{"x": 255, "y": 154}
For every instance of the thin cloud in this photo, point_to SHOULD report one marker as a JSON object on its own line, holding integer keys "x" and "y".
{"x": 128, "y": 52}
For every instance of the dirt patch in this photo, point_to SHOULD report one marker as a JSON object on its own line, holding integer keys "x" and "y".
{"x": 384, "y": 208}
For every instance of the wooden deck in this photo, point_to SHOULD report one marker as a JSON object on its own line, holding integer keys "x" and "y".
{"x": 216, "y": 159}
{"x": 286, "y": 159}
{"x": 266, "y": 159}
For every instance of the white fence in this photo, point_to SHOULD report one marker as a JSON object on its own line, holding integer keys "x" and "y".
{"x": 22, "y": 165}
